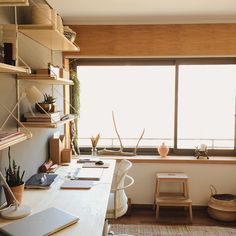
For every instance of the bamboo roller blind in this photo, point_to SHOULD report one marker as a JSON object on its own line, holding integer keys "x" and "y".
{"x": 176, "y": 40}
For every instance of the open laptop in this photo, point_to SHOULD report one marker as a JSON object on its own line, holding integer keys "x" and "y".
{"x": 43, "y": 223}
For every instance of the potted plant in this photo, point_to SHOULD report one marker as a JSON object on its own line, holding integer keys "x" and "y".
{"x": 47, "y": 105}
{"x": 15, "y": 181}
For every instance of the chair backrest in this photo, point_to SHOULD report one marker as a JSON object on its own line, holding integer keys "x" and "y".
{"x": 122, "y": 170}
{"x": 121, "y": 200}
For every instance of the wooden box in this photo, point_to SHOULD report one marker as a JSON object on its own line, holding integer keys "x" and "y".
{"x": 64, "y": 73}
{"x": 56, "y": 147}
{"x": 66, "y": 155}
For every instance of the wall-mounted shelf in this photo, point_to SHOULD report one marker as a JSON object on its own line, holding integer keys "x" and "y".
{"x": 13, "y": 141}
{"x": 46, "y": 79}
{"x": 48, "y": 125}
{"x": 47, "y": 36}
{"x": 5, "y": 68}
{"x": 12, "y": 3}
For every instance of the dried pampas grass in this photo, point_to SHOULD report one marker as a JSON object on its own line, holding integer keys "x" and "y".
{"x": 94, "y": 140}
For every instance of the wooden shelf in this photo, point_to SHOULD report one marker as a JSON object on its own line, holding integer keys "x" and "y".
{"x": 47, "y": 36}
{"x": 12, "y": 3}
{"x": 46, "y": 79}
{"x": 13, "y": 141}
{"x": 48, "y": 125}
{"x": 5, "y": 68}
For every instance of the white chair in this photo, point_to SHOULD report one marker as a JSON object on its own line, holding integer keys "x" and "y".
{"x": 118, "y": 201}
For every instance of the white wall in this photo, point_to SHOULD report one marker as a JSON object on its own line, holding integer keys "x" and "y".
{"x": 222, "y": 176}
{"x": 32, "y": 153}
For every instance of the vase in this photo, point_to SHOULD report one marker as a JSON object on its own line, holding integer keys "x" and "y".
{"x": 94, "y": 151}
{"x": 18, "y": 193}
{"x": 163, "y": 150}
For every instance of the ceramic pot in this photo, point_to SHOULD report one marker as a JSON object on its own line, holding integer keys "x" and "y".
{"x": 18, "y": 193}
{"x": 41, "y": 107}
{"x": 163, "y": 150}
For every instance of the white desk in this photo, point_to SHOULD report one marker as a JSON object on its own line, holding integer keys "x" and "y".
{"x": 89, "y": 205}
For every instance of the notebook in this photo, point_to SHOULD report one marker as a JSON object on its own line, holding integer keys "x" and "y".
{"x": 87, "y": 159}
{"x": 40, "y": 181}
{"x": 77, "y": 184}
{"x": 93, "y": 165}
{"x": 88, "y": 173}
{"x": 42, "y": 223}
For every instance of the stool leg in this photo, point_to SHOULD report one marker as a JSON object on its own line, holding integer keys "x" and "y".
{"x": 190, "y": 213}
{"x": 155, "y": 195}
{"x": 187, "y": 190}
{"x": 157, "y": 211}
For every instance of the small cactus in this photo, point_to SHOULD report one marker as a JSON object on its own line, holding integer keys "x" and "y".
{"x": 13, "y": 176}
{"x": 48, "y": 99}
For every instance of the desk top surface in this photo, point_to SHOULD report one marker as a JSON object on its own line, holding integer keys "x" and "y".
{"x": 89, "y": 205}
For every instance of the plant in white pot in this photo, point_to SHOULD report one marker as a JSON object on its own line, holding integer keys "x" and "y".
{"x": 15, "y": 181}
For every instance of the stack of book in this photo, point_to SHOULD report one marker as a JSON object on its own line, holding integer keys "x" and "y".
{"x": 43, "y": 117}
{"x": 7, "y": 136}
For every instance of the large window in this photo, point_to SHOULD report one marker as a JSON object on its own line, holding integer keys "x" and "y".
{"x": 140, "y": 96}
{"x": 206, "y": 106}
{"x": 182, "y": 104}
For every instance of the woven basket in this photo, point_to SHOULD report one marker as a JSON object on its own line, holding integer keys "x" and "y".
{"x": 41, "y": 14}
{"x": 69, "y": 33}
{"x": 222, "y": 206}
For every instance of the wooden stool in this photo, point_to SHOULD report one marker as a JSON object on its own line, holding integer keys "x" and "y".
{"x": 172, "y": 198}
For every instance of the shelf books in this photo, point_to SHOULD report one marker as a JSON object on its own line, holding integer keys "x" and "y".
{"x": 6, "y": 136}
{"x": 43, "y": 117}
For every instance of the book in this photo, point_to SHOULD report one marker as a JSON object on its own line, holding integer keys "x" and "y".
{"x": 9, "y": 134}
{"x": 12, "y": 138}
{"x": 46, "y": 119}
{"x": 41, "y": 115}
{"x": 77, "y": 184}
{"x": 42, "y": 181}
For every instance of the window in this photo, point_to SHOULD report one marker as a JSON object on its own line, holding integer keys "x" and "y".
{"x": 184, "y": 103}
{"x": 140, "y": 96}
{"x": 206, "y": 106}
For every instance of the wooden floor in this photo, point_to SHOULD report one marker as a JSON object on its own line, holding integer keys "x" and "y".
{"x": 170, "y": 216}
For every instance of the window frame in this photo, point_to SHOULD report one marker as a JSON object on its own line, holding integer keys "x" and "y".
{"x": 164, "y": 62}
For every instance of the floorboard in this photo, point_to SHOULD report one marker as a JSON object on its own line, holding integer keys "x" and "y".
{"x": 170, "y": 216}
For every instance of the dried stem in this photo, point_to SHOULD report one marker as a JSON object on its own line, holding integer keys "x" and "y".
{"x": 114, "y": 121}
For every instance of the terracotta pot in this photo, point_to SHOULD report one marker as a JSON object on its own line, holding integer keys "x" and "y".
{"x": 18, "y": 193}
{"x": 41, "y": 107}
{"x": 163, "y": 150}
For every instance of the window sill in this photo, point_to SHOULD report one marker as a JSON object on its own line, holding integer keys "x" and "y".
{"x": 174, "y": 159}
